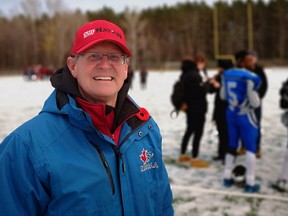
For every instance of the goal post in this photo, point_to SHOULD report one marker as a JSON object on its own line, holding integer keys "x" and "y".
{"x": 217, "y": 54}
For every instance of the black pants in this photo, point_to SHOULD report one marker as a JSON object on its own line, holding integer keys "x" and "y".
{"x": 258, "y": 114}
{"x": 195, "y": 125}
{"x": 222, "y": 129}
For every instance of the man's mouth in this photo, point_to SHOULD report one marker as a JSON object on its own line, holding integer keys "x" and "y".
{"x": 103, "y": 78}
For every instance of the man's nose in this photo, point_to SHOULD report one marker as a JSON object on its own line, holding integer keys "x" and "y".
{"x": 105, "y": 60}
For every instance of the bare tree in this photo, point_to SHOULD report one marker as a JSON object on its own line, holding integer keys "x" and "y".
{"x": 32, "y": 9}
{"x": 66, "y": 27}
{"x": 282, "y": 27}
{"x": 55, "y": 7}
{"x": 134, "y": 27}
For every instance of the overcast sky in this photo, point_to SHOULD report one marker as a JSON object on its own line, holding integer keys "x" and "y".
{"x": 14, "y": 6}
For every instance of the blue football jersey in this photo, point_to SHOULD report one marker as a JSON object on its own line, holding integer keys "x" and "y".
{"x": 235, "y": 85}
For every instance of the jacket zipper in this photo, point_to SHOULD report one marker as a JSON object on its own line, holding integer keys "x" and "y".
{"x": 118, "y": 155}
{"x": 125, "y": 138}
{"x": 107, "y": 168}
{"x": 117, "y": 151}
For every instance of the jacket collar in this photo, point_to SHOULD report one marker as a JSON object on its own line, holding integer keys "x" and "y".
{"x": 66, "y": 84}
{"x": 63, "y": 80}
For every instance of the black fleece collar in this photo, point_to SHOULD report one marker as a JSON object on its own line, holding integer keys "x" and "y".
{"x": 63, "y": 80}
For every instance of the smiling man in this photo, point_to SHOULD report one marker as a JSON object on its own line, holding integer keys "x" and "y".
{"x": 92, "y": 150}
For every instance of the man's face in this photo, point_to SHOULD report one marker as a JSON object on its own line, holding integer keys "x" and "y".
{"x": 99, "y": 81}
{"x": 249, "y": 62}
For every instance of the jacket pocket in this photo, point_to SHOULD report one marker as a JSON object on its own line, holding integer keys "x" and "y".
{"x": 107, "y": 168}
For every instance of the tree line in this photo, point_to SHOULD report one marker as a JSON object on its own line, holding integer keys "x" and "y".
{"x": 157, "y": 36}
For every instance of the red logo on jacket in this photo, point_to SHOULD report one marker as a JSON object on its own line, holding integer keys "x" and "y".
{"x": 145, "y": 156}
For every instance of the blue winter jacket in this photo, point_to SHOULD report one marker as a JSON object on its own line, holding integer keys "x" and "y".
{"x": 58, "y": 163}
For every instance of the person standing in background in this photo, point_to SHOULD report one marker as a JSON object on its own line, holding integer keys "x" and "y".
{"x": 220, "y": 106}
{"x": 281, "y": 184}
{"x": 259, "y": 70}
{"x": 195, "y": 98}
{"x": 201, "y": 62}
{"x": 239, "y": 89}
{"x": 249, "y": 61}
{"x": 143, "y": 77}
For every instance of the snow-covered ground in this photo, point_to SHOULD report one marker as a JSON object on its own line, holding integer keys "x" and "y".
{"x": 196, "y": 191}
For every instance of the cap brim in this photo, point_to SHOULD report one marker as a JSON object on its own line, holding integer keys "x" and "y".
{"x": 92, "y": 43}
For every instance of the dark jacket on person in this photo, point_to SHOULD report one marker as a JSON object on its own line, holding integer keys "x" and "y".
{"x": 219, "y": 112}
{"x": 264, "y": 83}
{"x": 195, "y": 88}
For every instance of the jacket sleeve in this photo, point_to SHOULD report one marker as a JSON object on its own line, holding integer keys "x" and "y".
{"x": 168, "y": 198}
{"x": 222, "y": 91}
{"x": 264, "y": 82}
{"x": 21, "y": 193}
{"x": 253, "y": 97}
{"x": 166, "y": 192}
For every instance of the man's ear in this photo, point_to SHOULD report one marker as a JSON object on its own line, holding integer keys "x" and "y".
{"x": 71, "y": 63}
{"x": 126, "y": 70}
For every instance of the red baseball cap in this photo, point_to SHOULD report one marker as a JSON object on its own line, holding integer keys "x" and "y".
{"x": 98, "y": 31}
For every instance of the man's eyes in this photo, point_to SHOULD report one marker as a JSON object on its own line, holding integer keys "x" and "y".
{"x": 114, "y": 57}
{"x": 95, "y": 56}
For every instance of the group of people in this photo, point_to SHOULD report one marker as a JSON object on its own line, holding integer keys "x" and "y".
{"x": 37, "y": 72}
{"x": 239, "y": 85}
